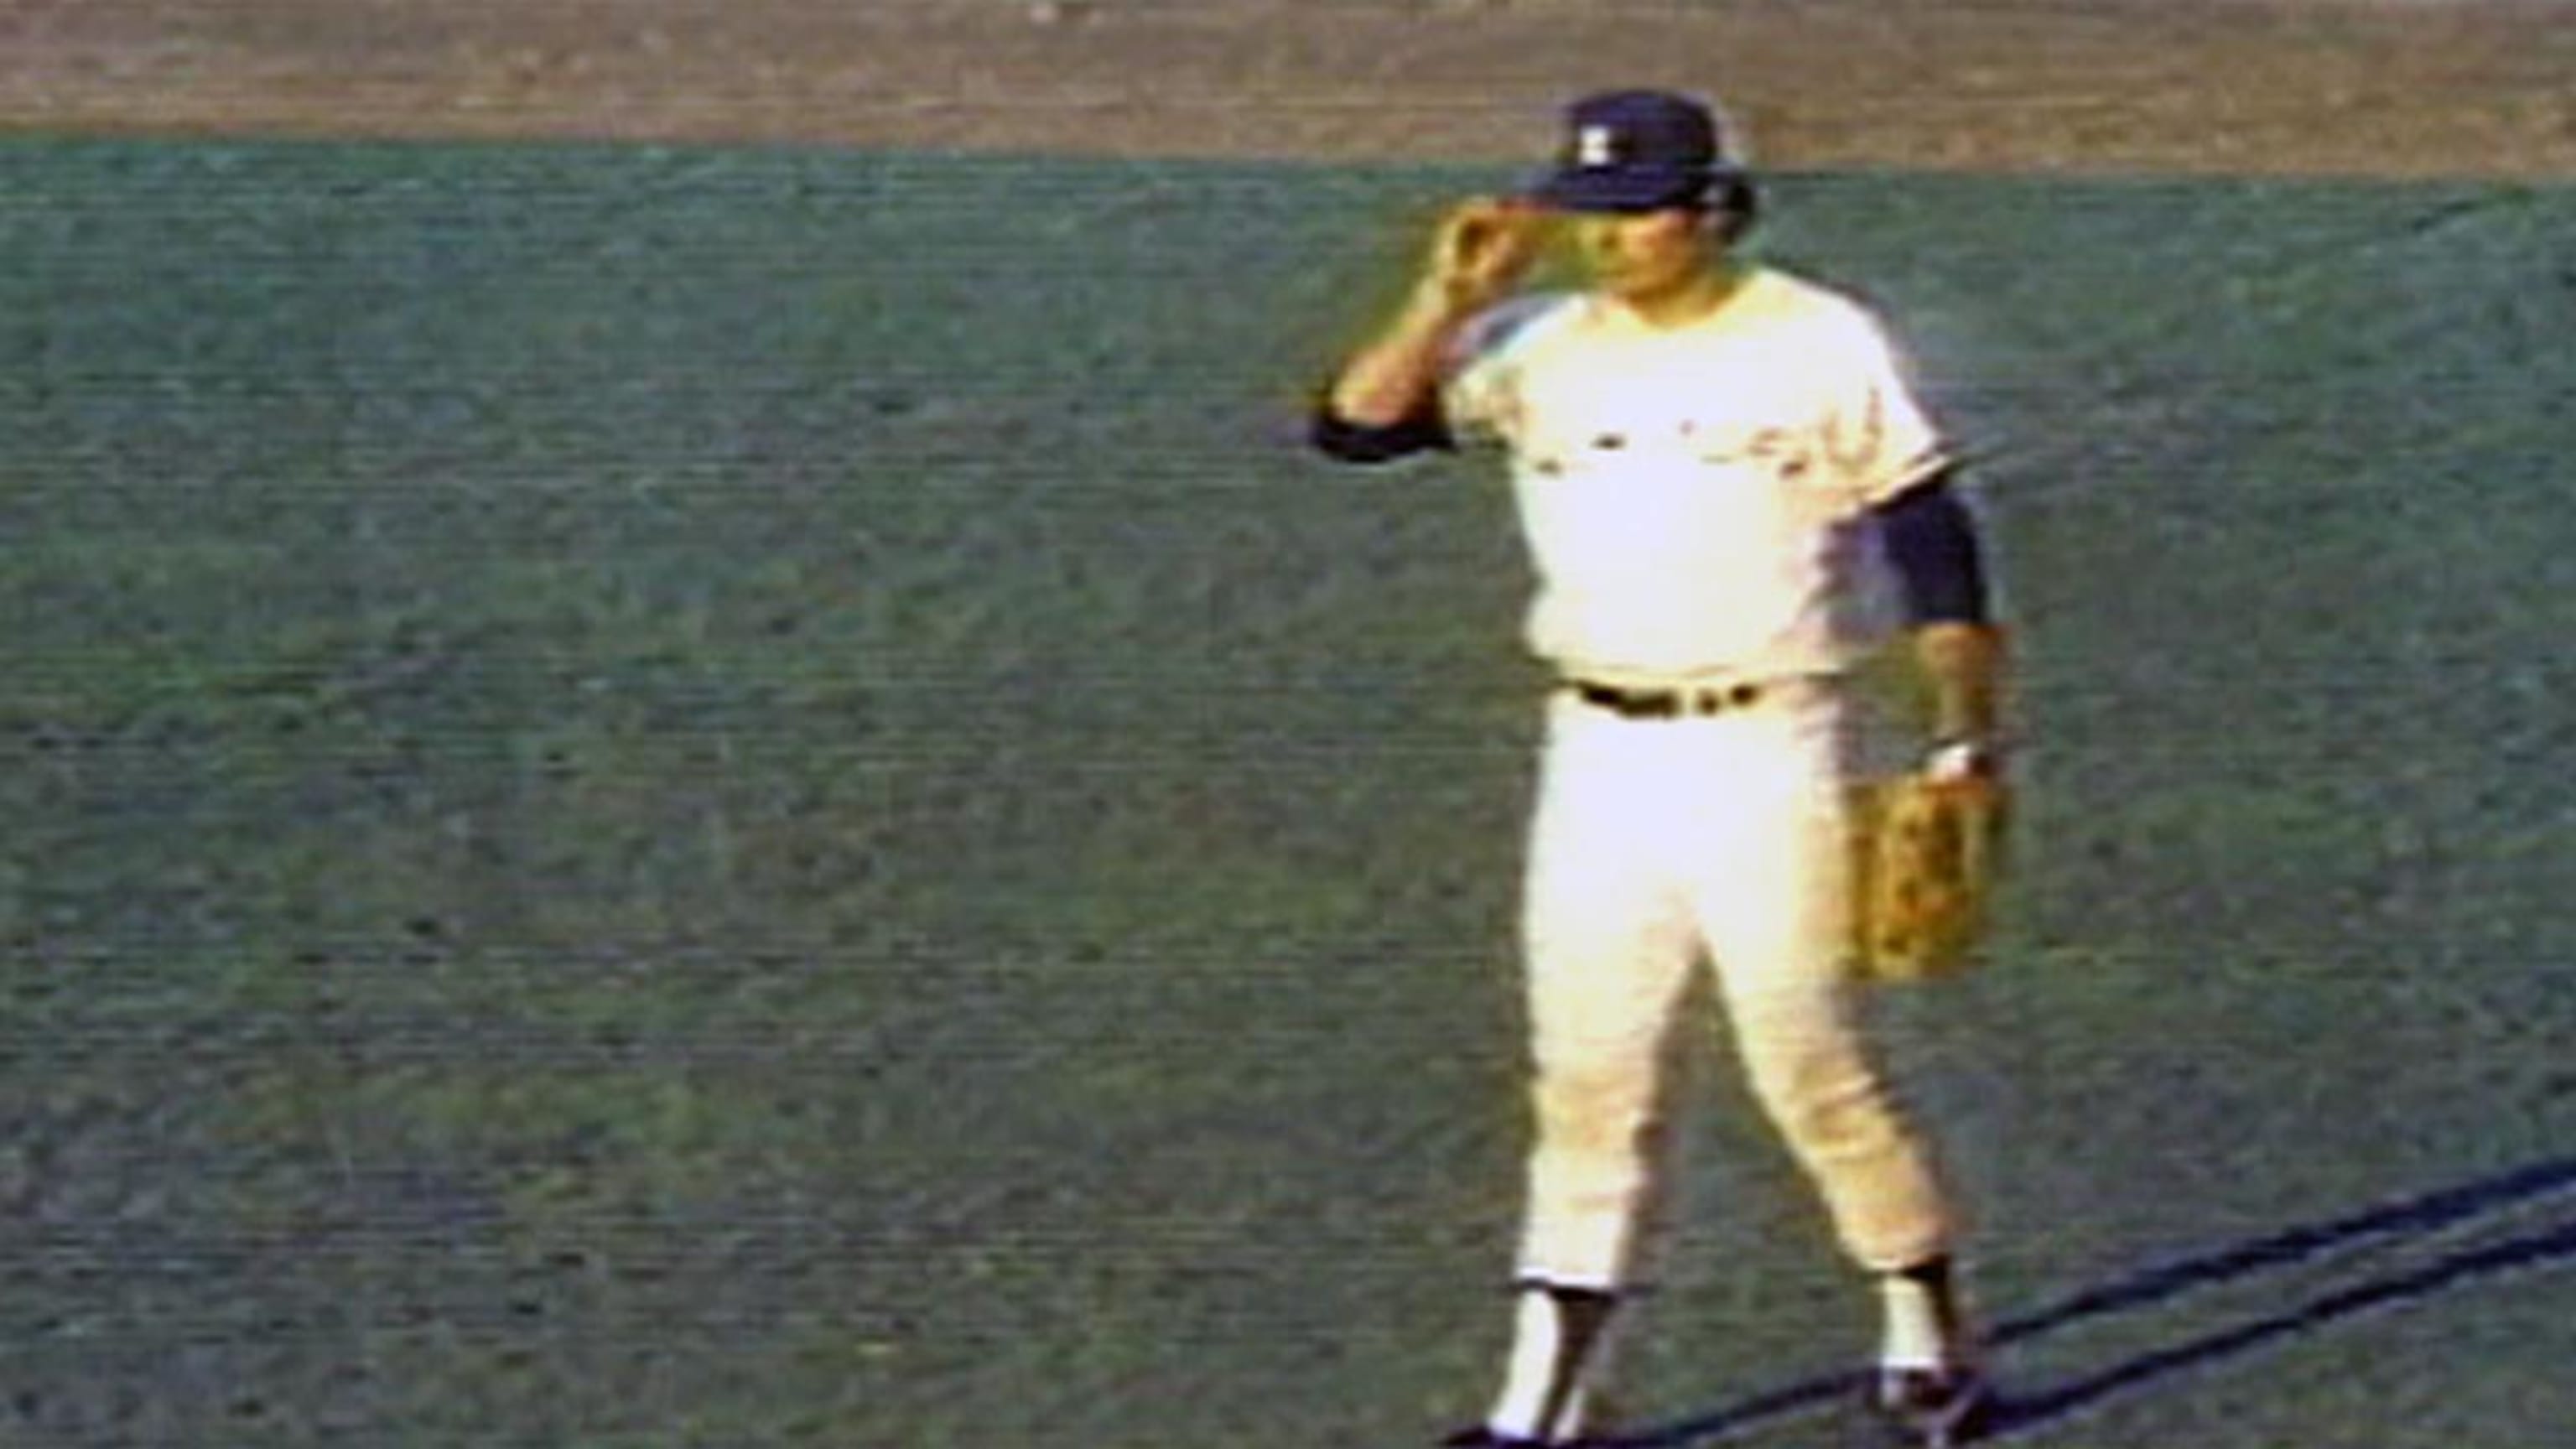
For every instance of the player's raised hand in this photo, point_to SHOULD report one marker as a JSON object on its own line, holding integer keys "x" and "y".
{"x": 1482, "y": 249}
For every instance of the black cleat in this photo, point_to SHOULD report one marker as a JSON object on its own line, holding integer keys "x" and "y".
{"x": 1478, "y": 1436}
{"x": 1933, "y": 1408}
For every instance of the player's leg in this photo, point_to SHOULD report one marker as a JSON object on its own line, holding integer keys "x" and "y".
{"x": 1609, "y": 949}
{"x": 1868, "y": 1161}
{"x": 1794, "y": 1009}
{"x": 1775, "y": 906}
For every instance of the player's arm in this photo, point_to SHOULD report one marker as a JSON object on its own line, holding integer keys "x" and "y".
{"x": 1962, "y": 665}
{"x": 1385, "y": 401}
{"x": 1932, "y": 543}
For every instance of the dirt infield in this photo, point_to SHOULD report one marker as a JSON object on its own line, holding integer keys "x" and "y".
{"x": 2472, "y": 87}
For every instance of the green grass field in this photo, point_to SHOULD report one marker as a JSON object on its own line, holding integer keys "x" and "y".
{"x": 707, "y": 798}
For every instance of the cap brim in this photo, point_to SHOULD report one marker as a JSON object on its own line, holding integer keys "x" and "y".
{"x": 1624, "y": 189}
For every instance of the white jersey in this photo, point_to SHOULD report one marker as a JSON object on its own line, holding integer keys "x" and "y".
{"x": 1695, "y": 498}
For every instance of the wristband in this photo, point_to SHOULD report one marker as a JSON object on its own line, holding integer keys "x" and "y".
{"x": 1959, "y": 760}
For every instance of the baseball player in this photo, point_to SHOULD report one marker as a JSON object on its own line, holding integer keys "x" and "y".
{"x": 1731, "y": 498}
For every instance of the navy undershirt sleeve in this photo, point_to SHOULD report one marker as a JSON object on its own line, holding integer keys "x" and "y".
{"x": 1422, "y": 430}
{"x": 1931, "y": 540}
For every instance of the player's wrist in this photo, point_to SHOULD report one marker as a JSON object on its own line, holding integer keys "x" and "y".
{"x": 1962, "y": 757}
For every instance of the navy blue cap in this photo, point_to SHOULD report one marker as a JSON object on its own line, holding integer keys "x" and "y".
{"x": 1632, "y": 151}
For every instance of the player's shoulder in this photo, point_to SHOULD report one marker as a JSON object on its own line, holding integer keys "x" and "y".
{"x": 1829, "y": 324}
{"x": 1801, "y": 297}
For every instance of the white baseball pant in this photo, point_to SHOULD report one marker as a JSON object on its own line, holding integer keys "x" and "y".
{"x": 1657, "y": 844}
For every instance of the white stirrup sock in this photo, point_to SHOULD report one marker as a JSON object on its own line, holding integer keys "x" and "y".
{"x": 1924, "y": 1328}
{"x": 1558, "y": 1347}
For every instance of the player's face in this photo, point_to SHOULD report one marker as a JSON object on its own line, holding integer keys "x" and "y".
{"x": 1644, "y": 255}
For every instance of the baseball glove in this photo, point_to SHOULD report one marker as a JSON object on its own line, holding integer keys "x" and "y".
{"x": 1926, "y": 852}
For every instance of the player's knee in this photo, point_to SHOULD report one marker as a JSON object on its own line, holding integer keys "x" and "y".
{"x": 1827, "y": 1105}
{"x": 1594, "y": 1111}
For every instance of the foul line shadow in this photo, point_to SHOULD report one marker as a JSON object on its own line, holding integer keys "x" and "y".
{"x": 2401, "y": 1220}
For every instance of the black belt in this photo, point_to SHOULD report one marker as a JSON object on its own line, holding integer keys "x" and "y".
{"x": 1667, "y": 703}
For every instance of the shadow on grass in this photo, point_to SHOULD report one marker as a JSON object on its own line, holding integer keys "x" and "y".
{"x": 2031, "y": 1406}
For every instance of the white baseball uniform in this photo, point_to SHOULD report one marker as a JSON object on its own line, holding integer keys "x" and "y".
{"x": 1696, "y": 502}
